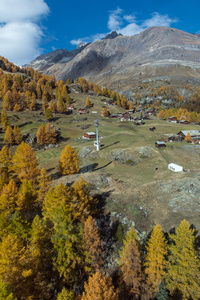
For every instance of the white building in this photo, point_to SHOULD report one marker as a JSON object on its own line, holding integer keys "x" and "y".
{"x": 175, "y": 168}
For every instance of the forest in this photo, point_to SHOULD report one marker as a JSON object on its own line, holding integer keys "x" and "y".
{"x": 53, "y": 242}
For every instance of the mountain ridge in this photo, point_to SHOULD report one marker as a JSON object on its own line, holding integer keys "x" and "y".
{"x": 155, "y": 51}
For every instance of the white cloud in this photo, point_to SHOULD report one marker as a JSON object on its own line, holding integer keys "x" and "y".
{"x": 18, "y": 10}
{"x": 159, "y": 20}
{"x": 115, "y": 20}
{"x": 128, "y": 24}
{"x": 20, "y": 35}
{"x": 19, "y": 41}
{"x": 88, "y": 39}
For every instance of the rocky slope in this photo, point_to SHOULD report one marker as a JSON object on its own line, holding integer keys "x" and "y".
{"x": 118, "y": 61}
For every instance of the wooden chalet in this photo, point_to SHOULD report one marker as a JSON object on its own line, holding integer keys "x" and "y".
{"x": 184, "y": 122}
{"x": 159, "y": 144}
{"x": 175, "y": 138}
{"x": 195, "y": 134}
{"x": 172, "y": 119}
{"x": 113, "y": 116}
{"x": 82, "y": 111}
{"x": 90, "y": 135}
{"x": 127, "y": 116}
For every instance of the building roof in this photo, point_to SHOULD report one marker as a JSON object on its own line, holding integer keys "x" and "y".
{"x": 192, "y": 132}
{"x": 160, "y": 143}
{"x": 90, "y": 133}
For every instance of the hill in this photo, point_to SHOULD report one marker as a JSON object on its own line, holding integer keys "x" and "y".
{"x": 122, "y": 60}
{"x": 129, "y": 173}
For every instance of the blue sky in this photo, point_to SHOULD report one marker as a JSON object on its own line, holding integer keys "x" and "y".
{"x": 29, "y": 28}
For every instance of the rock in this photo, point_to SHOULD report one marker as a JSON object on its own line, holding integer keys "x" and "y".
{"x": 145, "y": 151}
{"x": 124, "y": 157}
{"x": 88, "y": 152}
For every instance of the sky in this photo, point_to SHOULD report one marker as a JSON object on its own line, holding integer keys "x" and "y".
{"x": 29, "y": 28}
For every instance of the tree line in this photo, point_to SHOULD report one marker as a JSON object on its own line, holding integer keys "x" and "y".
{"x": 51, "y": 246}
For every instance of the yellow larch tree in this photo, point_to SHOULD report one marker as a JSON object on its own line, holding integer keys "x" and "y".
{"x": 188, "y": 138}
{"x": 17, "y": 135}
{"x": 183, "y": 274}
{"x": 99, "y": 287}
{"x": 41, "y": 135}
{"x": 93, "y": 245}
{"x": 25, "y": 163}
{"x": 4, "y": 119}
{"x": 50, "y": 135}
{"x": 5, "y": 164}
{"x": 8, "y": 198}
{"x": 68, "y": 163}
{"x": 155, "y": 259}
{"x": 83, "y": 204}
{"x": 9, "y": 138}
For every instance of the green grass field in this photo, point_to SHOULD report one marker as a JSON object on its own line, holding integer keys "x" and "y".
{"x": 128, "y": 181}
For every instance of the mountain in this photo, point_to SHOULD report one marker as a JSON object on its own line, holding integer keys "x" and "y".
{"x": 43, "y": 62}
{"x": 118, "y": 61}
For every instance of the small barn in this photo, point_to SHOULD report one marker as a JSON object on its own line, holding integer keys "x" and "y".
{"x": 90, "y": 135}
{"x": 160, "y": 144}
{"x": 175, "y": 168}
{"x": 152, "y": 128}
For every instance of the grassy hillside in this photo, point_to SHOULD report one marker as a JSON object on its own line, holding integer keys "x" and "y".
{"x": 125, "y": 167}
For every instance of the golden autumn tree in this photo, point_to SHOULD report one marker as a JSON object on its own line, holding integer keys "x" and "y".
{"x": 184, "y": 267}
{"x": 8, "y": 198}
{"x": 155, "y": 259}
{"x": 33, "y": 102}
{"x": 66, "y": 295}
{"x": 13, "y": 268}
{"x": 188, "y": 138}
{"x": 25, "y": 163}
{"x": 41, "y": 135}
{"x": 26, "y": 202}
{"x": 130, "y": 264}
{"x": 105, "y": 112}
{"x": 50, "y": 135}
{"x": 17, "y": 135}
{"x": 4, "y": 119}
{"x": 99, "y": 287}
{"x": 9, "y": 138}
{"x": 68, "y": 163}
{"x": 40, "y": 261}
{"x": 5, "y": 164}
{"x": 88, "y": 102}
{"x": 43, "y": 184}
{"x": 83, "y": 204}
{"x": 61, "y": 106}
{"x": 93, "y": 245}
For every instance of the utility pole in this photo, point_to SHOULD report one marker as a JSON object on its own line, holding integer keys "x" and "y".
{"x": 97, "y": 134}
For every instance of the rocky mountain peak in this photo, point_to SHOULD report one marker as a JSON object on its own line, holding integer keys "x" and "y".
{"x": 112, "y": 35}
